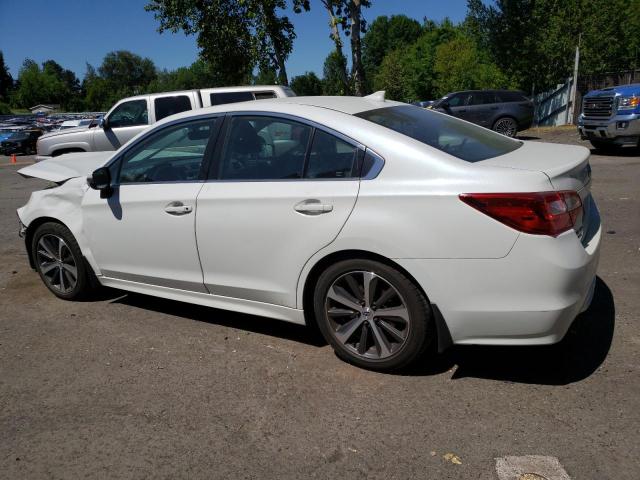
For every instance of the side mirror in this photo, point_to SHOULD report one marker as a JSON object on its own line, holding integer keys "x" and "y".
{"x": 100, "y": 179}
{"x": 104, "y": 123}
{"x": 445, "y": 105}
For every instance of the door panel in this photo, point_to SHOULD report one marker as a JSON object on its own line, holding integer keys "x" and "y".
{"x": 145, "y": 232}
{"x": 253, "y": 242}
{"x": 136, "y": 235}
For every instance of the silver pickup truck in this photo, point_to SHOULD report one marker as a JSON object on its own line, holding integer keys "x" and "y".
{"x": 131, "y": 115}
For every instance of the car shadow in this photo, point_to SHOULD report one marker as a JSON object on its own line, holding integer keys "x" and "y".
{"x": 576, "y": 357}
{"x": 621, "y": 152}
{"x": 214, "y": 316}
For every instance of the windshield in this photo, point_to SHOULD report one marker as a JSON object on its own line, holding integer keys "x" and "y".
{"x": 463, "y": 140}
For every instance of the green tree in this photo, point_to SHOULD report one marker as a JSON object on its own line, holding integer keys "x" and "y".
{"x": 458, "y": 65}
{"x": 128, "y": 71}
{"x": 6, "y": 80}
{"x": 234, "y": 36}
{"x": 333, "y": 81}
{"x": 38, "y": 85}
{"x": 307, "y": 84}
{"x": 392, "y": 76}
{"x": 384, "y": 35}
{"x": 197, "y": 75}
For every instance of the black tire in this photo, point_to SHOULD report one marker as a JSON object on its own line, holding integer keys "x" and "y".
{"x": 506, "y": 126}
{"x": 420, "y": 331}
{"x": 606, "y": 147}
{"x": 85, "y": 282}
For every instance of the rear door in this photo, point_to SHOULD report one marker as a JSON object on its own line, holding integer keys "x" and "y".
{"x": 280, "y": 190}
{"x": 482, "y": 108}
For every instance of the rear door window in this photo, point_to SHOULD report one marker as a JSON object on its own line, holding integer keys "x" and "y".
{"x": 330, "y": 157}
{"x": 264, "y": 148}
{"x": 222, "y": 98}
{"x": 166, "y": 106}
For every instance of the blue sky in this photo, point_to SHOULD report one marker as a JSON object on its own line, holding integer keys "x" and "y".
{"x": 73, "y": 32}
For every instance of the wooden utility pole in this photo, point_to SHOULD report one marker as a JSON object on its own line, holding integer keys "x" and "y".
{"x": 574, "y": 85}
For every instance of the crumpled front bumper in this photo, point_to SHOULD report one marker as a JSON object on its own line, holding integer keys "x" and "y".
{"x": 620, "y": 129}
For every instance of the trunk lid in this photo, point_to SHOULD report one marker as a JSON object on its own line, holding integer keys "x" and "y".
{"x": 64, "y": 167}
{"x": 566, "y": 166}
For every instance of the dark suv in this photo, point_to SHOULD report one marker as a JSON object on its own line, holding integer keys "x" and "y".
{"x": 504, "y": 111}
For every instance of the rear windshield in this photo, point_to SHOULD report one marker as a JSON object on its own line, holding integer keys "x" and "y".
{"x": 463, "y": 140}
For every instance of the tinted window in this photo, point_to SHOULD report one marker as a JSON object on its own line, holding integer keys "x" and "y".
{"x": 482, "y": 98}
{"x": 458, "y": 100}
{"x": 130, "y": 113}
{"x": 173, "y": 154}
{"x": 264, "y": 148}
{"x": 511, "y": 97}
{"x": 167, "y": 106}
{"x": 230, "y": 97}
{"x": 330, "y": 157}
{"x": 461, "y": 139}
{"x": 264, "y": 95}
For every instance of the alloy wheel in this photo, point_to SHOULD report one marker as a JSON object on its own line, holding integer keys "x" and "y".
{"x": 367, "y": 315}
{"x": 56, "y": 263}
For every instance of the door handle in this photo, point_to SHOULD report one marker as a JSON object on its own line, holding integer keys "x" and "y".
{"x": 312, "y": 207}
{"x": 178, "y": 208}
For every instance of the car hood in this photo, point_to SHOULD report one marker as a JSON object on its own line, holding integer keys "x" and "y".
{"x": 65, "y": 131}
{"x": 64, "y": 167}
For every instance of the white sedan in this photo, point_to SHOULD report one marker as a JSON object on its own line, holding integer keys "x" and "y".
{"x": 392, "y": 228}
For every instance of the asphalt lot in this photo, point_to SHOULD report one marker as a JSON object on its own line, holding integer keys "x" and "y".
{"x": 131, "y": 386}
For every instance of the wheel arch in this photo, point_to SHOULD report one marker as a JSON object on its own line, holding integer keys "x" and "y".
{"x": 62, "y": 151}
{"x": 31, "y": 229}
{"x": 443, "y": 335}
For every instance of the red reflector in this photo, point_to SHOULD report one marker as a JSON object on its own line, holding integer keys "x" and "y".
{"x": 539, "y": 213}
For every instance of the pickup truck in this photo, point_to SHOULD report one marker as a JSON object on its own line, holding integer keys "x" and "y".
{"x": 610, "y": 117}
{"x": 132, "y": 115}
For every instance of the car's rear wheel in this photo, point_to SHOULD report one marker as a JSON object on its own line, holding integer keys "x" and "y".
{"x": 372, "y": 314}
{"x": 506, "y": 126}
{"x": 60, "y": 263}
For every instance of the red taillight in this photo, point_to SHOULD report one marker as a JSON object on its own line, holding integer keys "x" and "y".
{"x": 543, "y": 213}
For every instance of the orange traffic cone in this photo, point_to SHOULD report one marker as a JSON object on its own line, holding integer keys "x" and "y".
{"x": 13, "y": 158}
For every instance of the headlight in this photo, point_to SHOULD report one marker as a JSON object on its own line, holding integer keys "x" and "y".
{"x": 628, "y": 103}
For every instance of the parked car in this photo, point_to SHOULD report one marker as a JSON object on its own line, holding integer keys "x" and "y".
{"x": 390, "y": 227}
{"x": 23, "y": 141}
{"x": 423, "y": 103}
{"x": 504, "y": 111}
{"x": 84, "y": 122}
{"x": 610, "y": 117}
{"x": 132, "y": 115}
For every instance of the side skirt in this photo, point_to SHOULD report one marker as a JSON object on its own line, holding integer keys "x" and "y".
{"x": 287, "y": 314}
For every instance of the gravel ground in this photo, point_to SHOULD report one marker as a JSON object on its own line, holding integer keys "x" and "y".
{"x": 130, "y": 386}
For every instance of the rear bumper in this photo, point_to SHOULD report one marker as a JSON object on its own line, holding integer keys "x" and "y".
{"x": 529, "y": 297}
{"x": 619, "y": 130}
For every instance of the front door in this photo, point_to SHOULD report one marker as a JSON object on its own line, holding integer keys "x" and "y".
{"x": 281, "y": 190}
{"x": 124, "y": 122}
{"x": 146, "y": 231}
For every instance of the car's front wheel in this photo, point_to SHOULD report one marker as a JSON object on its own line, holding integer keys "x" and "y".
{"x": 506, "y": 126}
{"x": 372, "y": 314}
{"x": 60, "y": 263}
